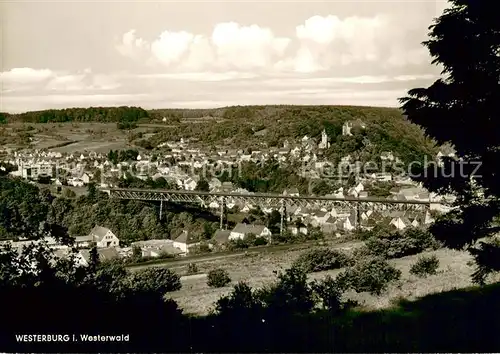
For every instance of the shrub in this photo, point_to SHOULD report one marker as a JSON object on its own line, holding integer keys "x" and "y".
{"x": 425, "y": 265}
{"x": 155, "y": 279}
{"x": 329, "y": 293}
{"x": 241, "y": 299}
{"x": 218, "y": 278}
{"x": 192, "y": 268}
{"x": 320, "y": 259}
{"x": 373, "y": 275}
{"x": 397, "y": 245}
{"x": 260, "y": 241}
{"x": 237, "y": 244}
{"x": 290, "y": 294}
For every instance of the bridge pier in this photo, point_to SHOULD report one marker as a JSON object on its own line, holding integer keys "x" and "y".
{"x": 161, "y": 208}
{"x": 222, "y": 206}
{"x": 282, "y": 210}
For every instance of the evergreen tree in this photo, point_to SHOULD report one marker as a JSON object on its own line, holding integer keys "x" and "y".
{"x": 462, "y": 107}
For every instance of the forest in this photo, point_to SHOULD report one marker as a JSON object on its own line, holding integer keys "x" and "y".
{"x": 257, "y": 126}
{"x": 93, "y": 114}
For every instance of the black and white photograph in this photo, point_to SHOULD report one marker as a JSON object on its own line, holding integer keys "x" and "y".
{"x": 249, "y": 176}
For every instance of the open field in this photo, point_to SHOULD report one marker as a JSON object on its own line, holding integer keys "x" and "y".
{"x": 78, "y": 137}
{"x": 196, "y": 297}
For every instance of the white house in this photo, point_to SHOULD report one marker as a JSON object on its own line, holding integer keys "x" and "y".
{"x": 349, "y": 223}
{"x": 401, "y": 222}
{"x": 240, "y": 231}
{"x": 86, "y": 178}
{"x": 185, "y": 241}
{"x": 102, "y": 236}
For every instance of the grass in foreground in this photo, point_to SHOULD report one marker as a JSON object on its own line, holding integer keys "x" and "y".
{"x": 197, "y": 298}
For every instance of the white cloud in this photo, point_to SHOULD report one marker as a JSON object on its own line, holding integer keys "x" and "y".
{"x": 171, "y": 46}
{"x": 321, "y": 42}
{"x": 246, "y": 47}
{"x": 67, "y": 83}
{"x": 133, "y": 47}
{"x": 230, "y": 46}
{"x": 23, "y": 78}
{"x": 328, "y": 42}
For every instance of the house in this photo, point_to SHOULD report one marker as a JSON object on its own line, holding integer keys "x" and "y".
{"x": 302, "y": 211}
{"x": 247, "y": 208}
{"x": 240, "y": 231}
{"x": 185, "y": 241}
{"x": 320, "y": 217}
{"x": 190, "y": 183}
{"x": 350, "y": 223}
{"x": 86, "y": 178}
{"x": 298, "y": 229}
{"x": 102, "y": 236}
{"x": 400, "y": 222}
{"x": 36, "y": 170}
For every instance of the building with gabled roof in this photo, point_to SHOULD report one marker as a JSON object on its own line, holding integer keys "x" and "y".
{"x": 185, "y": 241}
{"x": 241, "y": 231}
{"x": 101, "y": 236}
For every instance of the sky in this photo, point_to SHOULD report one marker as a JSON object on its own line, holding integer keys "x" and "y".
{"x": 206, "y": 54}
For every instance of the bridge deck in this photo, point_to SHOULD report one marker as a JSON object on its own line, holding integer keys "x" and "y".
{"x": 121, "y": 192}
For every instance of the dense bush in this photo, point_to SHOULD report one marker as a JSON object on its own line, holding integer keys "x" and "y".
{"x": 397, "y": 245}
{"x": 321, "y": 259}
{"x": 287, "y": 237}
{"x": 155, "y": 279}
{"x": 290, "y": 294}
{"x": 249, "y": 241}
{"x": 373, "y": 275}
{"x": 218, "y": 278}
{"x": 241, "y": 299}
{"x": 425, "y": 265}
{"x": 329, "y": 292}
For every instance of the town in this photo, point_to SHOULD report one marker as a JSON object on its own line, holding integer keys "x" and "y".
{"x": 184, "y": 165}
